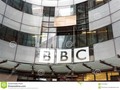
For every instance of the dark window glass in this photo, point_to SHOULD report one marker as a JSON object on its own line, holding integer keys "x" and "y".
{"x": 102, "y": 34}
{"x": 30, "y": 40}
{"x": 44, "y": 42}
{"x": 81, "y": 10}
{"x": 65, "y": 41}
{"x": 48, "y": 11}
{"x": 82, "y": 16}
{"x": 18, "y": 4}
{"x": 96, "y": 3}
{"x": 4, "y": 1}
{"x": 32, "y": 9}
{"x": 51, "y": 40}
{"x": 91, "y": 51}
{"x": 65, "y": 37}
{"x": 26, "y": 39}
{"x": 81, "y": 39}
{"x": 110, "y": 32}
{"x": 21, "y": 38}
{"x": 3, "y": 30}
{"x": 10, "y": 35}
{"x": 81, "y": 27}
{"x": 27, "y": 8}
{"x": 91, "y": 38}
{"x": 52, "y": 11}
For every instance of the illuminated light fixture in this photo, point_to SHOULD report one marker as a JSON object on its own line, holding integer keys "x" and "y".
{"x": 98, "y": 1}
{"x": 35, "y": 36}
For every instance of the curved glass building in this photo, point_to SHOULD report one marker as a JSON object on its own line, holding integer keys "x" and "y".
{"x": 59, "y": 40}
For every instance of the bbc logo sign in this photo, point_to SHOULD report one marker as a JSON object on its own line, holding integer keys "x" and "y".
{"x": 63, "y": 55}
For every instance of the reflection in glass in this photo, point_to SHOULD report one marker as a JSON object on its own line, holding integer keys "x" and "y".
{"x": 32, "y": 9}
{"x": 48, "y": 40}
{"x": 66, "y": 11}
{"x": 49, "y": 11}
{"x": 17, "y": 4}
{"x": 91, "y": 37}
{"x": 8, "y": 34}
{"x": 102, "y": 35}
{"x": 52, "y": 40}
{"x": 82, "y": 16}
{"x": 11, "y": 35}
{"x": 65, "y": 41}
{"x": 96, "y": 3}
{"x": 2, "y": 32}
{"x": 65, "y": 37}
{"x": 26, "y": 39}
{"x": 44, "y": 43}
{"x": 110, "y": 32}
{"x": 81, "y": 39}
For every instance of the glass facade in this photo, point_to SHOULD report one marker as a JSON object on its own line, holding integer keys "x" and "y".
{"x": 32, "y": 26}
{"x": 66, "y": 10}
{"x": 96, "y": 3}
{"x": 41, "y": 19}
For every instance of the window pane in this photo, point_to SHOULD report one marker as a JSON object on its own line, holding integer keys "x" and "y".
{"x": 18, "y": 4}
{"x": 44, "y": 29}
{"x": 32, "y": 9}
{"x": 26, "y": 39}
{"x": 65, "y": 41}
{"x": 66, "y": 11}
{"x": 48, "y": 11}
{"x": 91, "y": 37}
{"x": 30, "y": 40}
{"x": 45, "y": 24}
{"x": 44, "y": 40}
{"x": 10, "y": 35}
{"x": 51, "y": 40}
{"x": 110, "y": 32}
{"x": 3, "y": 30}
{"x": 52, "y": 29}
{"x": 102, "y": 35}
{"x": 52, "y": 11}
{"x": 81, "y": 39}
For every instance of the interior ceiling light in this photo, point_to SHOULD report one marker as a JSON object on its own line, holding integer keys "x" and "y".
{"x": 99, "y": 0}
